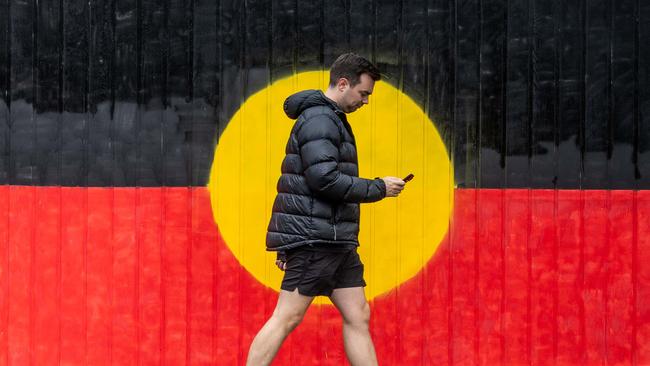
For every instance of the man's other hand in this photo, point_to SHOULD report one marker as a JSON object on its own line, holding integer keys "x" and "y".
{"x": 281, "y": 264}
{"x": 394, "y": 186}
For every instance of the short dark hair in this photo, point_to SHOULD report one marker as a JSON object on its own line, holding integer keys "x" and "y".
{"x": 351, "y": 66}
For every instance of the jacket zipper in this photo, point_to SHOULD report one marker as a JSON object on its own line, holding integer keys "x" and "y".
{"x": 334, "y": 220}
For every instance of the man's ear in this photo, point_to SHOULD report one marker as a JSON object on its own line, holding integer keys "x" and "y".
{"x": 342, "y": 84}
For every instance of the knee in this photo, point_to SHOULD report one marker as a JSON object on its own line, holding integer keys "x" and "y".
{"x": 293, "y": 321}
{"x": 360, "y": 317}
{"x": 289, "y": 321}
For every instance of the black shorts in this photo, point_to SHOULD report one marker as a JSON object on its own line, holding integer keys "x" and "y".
{"x": 316, "y": 272}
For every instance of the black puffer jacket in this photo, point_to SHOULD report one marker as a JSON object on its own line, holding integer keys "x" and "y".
{"x": 320, "y": 190}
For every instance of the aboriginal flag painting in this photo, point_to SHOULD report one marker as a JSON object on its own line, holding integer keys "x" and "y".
{"x": 141, "y": 142}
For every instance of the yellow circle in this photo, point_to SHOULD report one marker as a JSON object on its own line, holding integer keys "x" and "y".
{"x": 394, "y": 138}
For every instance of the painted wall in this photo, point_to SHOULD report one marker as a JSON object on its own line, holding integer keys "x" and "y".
{"x": 140, "y": 145}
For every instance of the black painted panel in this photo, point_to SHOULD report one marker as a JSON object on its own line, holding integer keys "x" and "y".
{"x": 104, "y": 116}
{"x": 48, "y": 94}
{"x": 177, "y": 116}
{"x": 543, "y": 147}
{"x": 387, "y": 48}
{"x": 334, "y": 22}
{"x": 123, "y": 102}
{"x": 526, "y": 93}
{"x": 440, "y": 68}
{"x": 361, "y": 20}
{"x": 570, "y": 103}
{"x": 75, "y": 98}
{"x": 413, "y": 51}
{"x": 622, "y": 159}
{"x": 519, "y": 93}
{"x": 5, "y": 84}
{"x": 152, "y": 88}
{"x": 309, "y": 35}
{"x": 201, "y": 134}
{"x": 492, "y": 83}
{"x": 643, "y": 94}
{"x": 22, "y": 93}
{"x": 598, "y": 118}
{"x": 466, "y": 123}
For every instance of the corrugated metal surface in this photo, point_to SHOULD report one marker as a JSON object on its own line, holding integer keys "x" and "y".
{"x": 526, "y": 93}
{"x": 111, "y": 113}
{"x": 126, "y": 276}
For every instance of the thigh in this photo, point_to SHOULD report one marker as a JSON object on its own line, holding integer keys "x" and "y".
{"x": 292, "y": 303}
{"x": 351, "y": 302}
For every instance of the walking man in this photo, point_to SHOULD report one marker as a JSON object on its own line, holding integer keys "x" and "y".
{"x": 314, "y": 225}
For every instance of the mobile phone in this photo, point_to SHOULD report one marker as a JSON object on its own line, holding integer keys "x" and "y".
{"x": 408, "y": 177}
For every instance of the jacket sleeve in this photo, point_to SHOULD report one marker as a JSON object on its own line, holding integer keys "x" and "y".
{"x": 319, "y": 138}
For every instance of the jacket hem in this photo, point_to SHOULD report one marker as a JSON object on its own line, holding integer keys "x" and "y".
{"x": 307, "y": 242}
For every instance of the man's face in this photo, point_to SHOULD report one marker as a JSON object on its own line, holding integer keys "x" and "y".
{"x": 355, "y": 97}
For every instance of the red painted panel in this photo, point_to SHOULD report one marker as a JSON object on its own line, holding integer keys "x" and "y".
{"x": 124, "y": 267}
{"x": 46, "y": 270}
{"x": 516, "y": 314}
{"x": 542, "y": 244}
{"x": 409, "y": 319}
{"x": 74, "y": 315}
{"x": 330, "y": 337}
{"x": 596, "y": 233}
{"x": 175, "y": 244}
{"x": 99, "y": 276}
{"x": 464, "y": 267}
{"x": 436, "y": 297}
{"x": 4, "y": 275}
{"x": 384, "y": 327}
{"x": 141, "y": 276}
{"x": 228, "y": 349}
{"x": 202, "y": 269}
{"x": 490, "y": 279}
{"x": 302, "y": 353}
{"x": 253, "y": 310}
{"x": 570, "y": 274}
{"x": 20, "y": 328}
{"x": 641, "y": 272}
{"x": 619, "y": 286}
{"x": 149, "y": 205}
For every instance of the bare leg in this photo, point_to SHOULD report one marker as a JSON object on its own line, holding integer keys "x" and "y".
{"x": 355, "y": 310}
{"x": 288, "y": 313}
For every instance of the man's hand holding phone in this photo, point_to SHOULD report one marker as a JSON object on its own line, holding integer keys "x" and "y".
{"x": 394, "y": 185}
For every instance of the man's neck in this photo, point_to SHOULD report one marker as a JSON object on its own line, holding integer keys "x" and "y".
{"x": 332, "y": 95}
